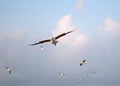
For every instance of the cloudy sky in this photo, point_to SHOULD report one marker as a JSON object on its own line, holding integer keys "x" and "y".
{"x": 96, "y": 39}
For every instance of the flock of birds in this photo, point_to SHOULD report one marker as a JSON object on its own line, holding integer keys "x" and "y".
{"x": 61, "y": 74}
{"x": 9, "y": 70}
{"x": 54, "y": 41}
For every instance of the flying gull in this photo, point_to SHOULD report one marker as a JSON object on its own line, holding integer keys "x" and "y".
{"x": 61, "y": 74}
{"x": 82, "y": 62}
{"x": 42, "y": 48}
{"x": 53, "y": 40}
{"x": 9, "y": 70}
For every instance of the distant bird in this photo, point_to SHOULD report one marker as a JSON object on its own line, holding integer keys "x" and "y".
{"x": 79, "y": 77}
{"x": 53, "y": 40}
{"x": 42, "y": 48}
{"x": 9, "y": 70}
{"x": 61, "y": 74}
{"x": 82, "y": 62}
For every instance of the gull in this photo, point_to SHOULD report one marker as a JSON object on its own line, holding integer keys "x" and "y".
{"x": 82, "y": 62}
{"x": 9, "y": 70}
{"x": 42, "y": 48}
{"x": 53, "y": 40}
{"x": 61, "y": 74}
{"x": 79, "y": 77}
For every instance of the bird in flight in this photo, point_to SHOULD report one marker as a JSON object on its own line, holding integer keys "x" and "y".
{"x": 42, "y": 48}
{"x": 9, "y": 70}
{"x": 82, "y": 62}
{"x": 53, "y": 40}
{"x": 61, "y": 74}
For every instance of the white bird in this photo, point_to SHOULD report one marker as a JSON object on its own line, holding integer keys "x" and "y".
{"x": 42, "y": 48}
{"x": 53, "y": 40}
{"x": 78, "y": 77}
{"x": 61, "y": 74}
{"x": 9, "y": 70}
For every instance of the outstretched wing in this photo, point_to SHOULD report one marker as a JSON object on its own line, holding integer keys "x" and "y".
{"x": 63, "y": 34}
{"x": 84, "y": 61}
{"x": 40, "y": 42}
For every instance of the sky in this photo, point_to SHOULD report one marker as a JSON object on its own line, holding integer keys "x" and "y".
{"x": 96, "y": 39}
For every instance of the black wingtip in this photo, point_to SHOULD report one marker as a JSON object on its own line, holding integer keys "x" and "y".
{"x": 80, "y": 64}
{"x": 71, "y": 31}
{"x": 34, "y": 44}
{"x": 31, "y": 45}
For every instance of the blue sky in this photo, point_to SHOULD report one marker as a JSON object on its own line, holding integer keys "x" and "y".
{"x": 96, "y": 39}
{"x": 22, "y": 14}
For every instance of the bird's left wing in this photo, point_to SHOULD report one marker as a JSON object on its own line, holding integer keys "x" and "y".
{"x": 63, "y": 34}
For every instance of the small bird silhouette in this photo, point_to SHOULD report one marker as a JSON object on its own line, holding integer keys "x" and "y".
{"x": 82, "y": 62}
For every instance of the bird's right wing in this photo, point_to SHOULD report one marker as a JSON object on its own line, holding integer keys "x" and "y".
{"x": 40, "y": 42}
{"x": 63, "y": 34}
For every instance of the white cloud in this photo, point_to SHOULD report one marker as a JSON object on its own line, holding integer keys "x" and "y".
{"x": 64, "y": 24}
{"x": 9, "y": 43}
{"x": 76, "y": 38}
{"x": 80, "y": 5}
{"x": 112, "y": 27}
{"x": 81, "y": 40}
{"x": 18, "y": 35}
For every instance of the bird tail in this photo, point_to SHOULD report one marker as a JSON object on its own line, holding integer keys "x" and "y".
{"x": 55, "y": 43}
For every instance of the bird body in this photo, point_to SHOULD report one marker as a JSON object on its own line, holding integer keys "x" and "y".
{"x": 54, "y": 41}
